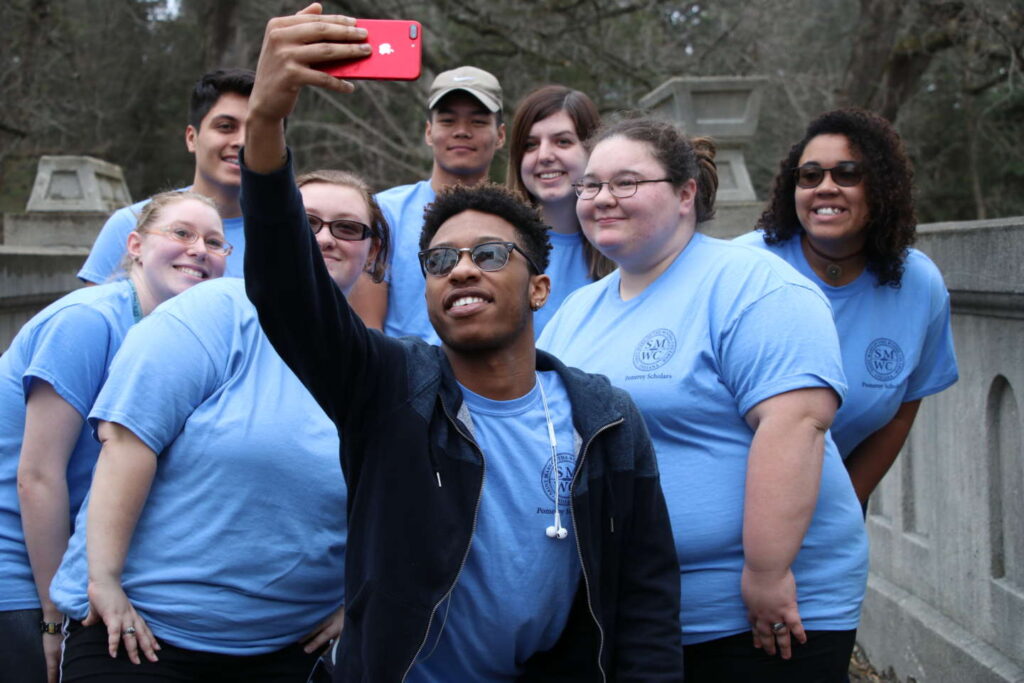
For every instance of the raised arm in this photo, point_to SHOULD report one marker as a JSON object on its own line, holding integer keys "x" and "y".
{"x": 291, "y": 45}
{"x": 301, "y": 310}
{"x": 783, "y": 476}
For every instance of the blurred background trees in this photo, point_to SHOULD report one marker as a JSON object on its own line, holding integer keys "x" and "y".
{"x": 110, "y": 78}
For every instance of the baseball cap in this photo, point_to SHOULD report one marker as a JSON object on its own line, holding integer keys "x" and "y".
{"x": 477, "y": 82}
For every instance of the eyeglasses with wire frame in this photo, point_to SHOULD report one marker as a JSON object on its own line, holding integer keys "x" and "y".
{"x": 487, "y": 256}
{"x": 621, "y": 186}
{"x": 180, "y": 232}
{"x": 342, "y": 229}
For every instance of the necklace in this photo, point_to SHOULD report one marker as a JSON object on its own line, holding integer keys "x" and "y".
{"x": 833, "y": 271}
{"x": 136, "y": 306}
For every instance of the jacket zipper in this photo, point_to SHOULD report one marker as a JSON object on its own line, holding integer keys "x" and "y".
{"x": 579, "y": 550}
{"x": 465, "y": 555}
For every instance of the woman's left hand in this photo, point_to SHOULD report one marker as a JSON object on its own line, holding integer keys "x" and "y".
{"x": 324, "y": 632}
{"x": 109, "y": 603}
{"x": 770, "y": 597}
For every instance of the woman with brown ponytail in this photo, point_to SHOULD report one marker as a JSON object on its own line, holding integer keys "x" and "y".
{"x": 734, "y": 361}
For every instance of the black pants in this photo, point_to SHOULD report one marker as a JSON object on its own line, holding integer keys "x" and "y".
{"x": 21, "y": 647}
{"x": 824, "y": 658}
{"x": 86, "y": 659}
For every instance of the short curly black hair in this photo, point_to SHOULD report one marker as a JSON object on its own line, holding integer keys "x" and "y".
{"x": 892, "y": 223}
{"x": 498, "y": 201}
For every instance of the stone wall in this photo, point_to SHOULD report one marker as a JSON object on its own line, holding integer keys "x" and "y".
{"x": 946, "y": 592}
{"x": 30, "y": 279}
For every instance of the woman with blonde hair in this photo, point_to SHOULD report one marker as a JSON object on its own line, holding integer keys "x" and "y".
{"x": 49, "y": 378}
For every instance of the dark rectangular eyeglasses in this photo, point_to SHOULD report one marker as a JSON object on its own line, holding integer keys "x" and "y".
{"x": 342, "y": 229}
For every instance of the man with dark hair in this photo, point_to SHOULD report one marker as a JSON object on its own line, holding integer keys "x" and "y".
{"x": 493, "y": 199}
{"x": 559, "y": 563}
{"x": 464, "y": 129}
{"x": 214, "y": 134}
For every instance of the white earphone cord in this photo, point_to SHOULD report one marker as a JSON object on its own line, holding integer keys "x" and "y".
{"x": 556, "y": 530}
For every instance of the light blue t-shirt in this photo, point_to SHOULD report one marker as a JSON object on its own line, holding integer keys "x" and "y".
{"x": 722, "y": 329}
{"x": 567, "y": 268}
{"x": 407, "y": 305}
{"x": 69, "y": 344}
{"x": 240, "y": 546}
{"x": 104, "y": 260}
{"x": 897, "y": 343}
{"x": 513, "y": 596}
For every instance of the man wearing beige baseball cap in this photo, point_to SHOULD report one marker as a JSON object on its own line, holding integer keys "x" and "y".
{"x": 464, "y": 128}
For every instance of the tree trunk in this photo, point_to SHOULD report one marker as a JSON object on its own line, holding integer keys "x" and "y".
{"x": 221, "y": 45}
{"x": 873, "y": 43}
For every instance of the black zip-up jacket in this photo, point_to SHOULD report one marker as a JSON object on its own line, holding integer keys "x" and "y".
{"x": 415, "y": 476}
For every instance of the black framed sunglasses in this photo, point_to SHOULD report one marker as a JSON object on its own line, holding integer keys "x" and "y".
{"x": 844, "y": 174}
{"x": 342, "y": 229}
{"x": 487, "y": 256}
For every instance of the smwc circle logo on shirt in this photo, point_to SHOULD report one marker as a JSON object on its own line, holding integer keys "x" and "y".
{"x": 884, "y": 359}
{"x": 654, "y": 350}
{"x": 566, "y": 469}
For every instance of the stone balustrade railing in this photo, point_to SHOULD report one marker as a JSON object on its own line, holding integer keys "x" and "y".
{"x": 946, "y": 592}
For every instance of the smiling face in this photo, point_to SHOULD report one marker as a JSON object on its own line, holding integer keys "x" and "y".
{"x": 464, "y": 135}
{"x": 473, "y": 310}
{"x": 216, "y": 146}
{"x": 164, "y": 266}
{"x": 642, "y": 231}
{"x": 833, "y": 216}
{"x": 345, "y": 259}
{"x": 553, "y": 157}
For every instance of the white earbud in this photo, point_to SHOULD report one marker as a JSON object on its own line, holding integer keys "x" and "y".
{"x": 556, "y": 530}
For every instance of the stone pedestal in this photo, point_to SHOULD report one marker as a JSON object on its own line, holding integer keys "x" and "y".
{"x": 732, "y": 219}
{"x": 43, "y": 248}
{"x": 53, "y": 228}
{"x": 78, "y": 183}
{"x": 71, "y": 199}
{"x": 725, "y": 108}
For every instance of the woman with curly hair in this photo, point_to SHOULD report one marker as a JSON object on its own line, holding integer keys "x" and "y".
{"x": 842, "y": 213}
{"x": 545, "y": 158}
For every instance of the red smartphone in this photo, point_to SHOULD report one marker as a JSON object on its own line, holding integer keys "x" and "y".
{"x": 397, "y": 52}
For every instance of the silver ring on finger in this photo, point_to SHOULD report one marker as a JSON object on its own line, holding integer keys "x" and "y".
{"x": 778, "y": 627}
{"x": 130, "y": 631}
